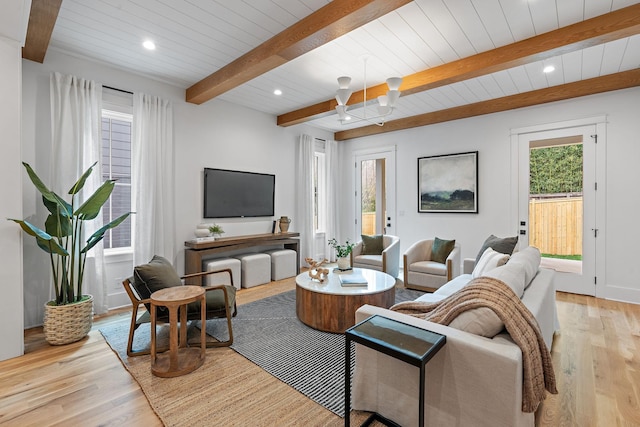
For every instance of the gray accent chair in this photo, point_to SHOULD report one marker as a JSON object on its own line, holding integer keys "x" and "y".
{"x": 388, "y": 262}
{"x": 423, "y": 274}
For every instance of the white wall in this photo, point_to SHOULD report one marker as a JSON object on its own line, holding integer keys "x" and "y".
{"x": 11, "y": 311}
{"x": 215, "y": 134}
{"x": 490, "y": 135}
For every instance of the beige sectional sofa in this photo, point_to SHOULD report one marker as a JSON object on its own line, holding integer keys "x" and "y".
{"x": 473, "y": 380}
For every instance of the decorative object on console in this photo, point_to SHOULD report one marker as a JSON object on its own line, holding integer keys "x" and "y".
{"x": 448, "y": 183}
{"x": 284, "y": 222}
{"x": 316, "y": 272}
{"x": 386, "y": 103}
{"x": 202, "y": 230}
{"x": 342, "y": 252}
{"x": 216, "y": 230}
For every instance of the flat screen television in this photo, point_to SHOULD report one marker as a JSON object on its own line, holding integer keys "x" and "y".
{"x": 237, "y": 194}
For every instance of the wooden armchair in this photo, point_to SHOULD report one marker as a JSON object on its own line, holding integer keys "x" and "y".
{"x": 216, "y": 308}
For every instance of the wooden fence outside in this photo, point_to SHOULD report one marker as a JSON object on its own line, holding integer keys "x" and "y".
{"x": 555, "y": 225}
{"x": 369, "y": 223}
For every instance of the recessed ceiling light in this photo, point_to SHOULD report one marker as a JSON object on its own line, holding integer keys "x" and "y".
{"x": 548, "y": 69}
{"x": 148, "y": 44}
{"x": 277, "y": 92}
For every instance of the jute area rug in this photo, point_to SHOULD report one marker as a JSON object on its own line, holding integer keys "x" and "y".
{"x": 288, "y": 359}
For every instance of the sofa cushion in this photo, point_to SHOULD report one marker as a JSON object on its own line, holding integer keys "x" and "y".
{"x": 369, "y": 260}
{"x": 372, "y": 245}
{"x": 529, "y": 258}
{"x": 429, "y": 267}
{"x": 489, "y": 260}
{"x": 504, "y": 245}
{"x": 441, "y": 249}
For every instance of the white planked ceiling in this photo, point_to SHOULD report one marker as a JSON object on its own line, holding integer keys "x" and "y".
{"x": 195, "y": 38}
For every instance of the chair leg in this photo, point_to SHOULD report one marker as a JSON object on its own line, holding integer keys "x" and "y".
{"x": 132, "y": 329}
{"x": 228, "y": 342}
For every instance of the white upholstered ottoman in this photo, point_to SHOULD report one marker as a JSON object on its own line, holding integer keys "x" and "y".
{"x": 283, "y": 263}
{"x": 223, "y": 278}
{"x": 256, "y": 269}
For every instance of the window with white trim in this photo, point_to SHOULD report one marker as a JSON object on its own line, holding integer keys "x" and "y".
{"x": 116, "y": 164}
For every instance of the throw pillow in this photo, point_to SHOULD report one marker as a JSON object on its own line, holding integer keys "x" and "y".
{"x": 529, "y": 259}
{"x": 372, "y": 245}
{"x": 480, "y": 321}
{"x": 489, "y": 260}
{"x": 157, "y": 274}
{"x": 504, "y": 245}
{"x": 441, "y": 249}
{"x": 512, "y": 274}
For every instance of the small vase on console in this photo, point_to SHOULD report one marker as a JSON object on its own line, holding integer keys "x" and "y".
{"x": 284, "y": 224}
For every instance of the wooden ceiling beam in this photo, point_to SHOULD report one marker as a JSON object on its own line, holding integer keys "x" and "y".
{"x": 608, "y": 27}
{"x": 42, "y": 19}
{"x": 623, "y": 80}
{"x": 327, "y": 23}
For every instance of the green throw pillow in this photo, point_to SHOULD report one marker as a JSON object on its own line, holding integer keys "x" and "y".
{"x": 504, "y": 245}
{"x": 157, "y": 274}
{"x": 372, "y": 245}
{"x": 441, "y": 249}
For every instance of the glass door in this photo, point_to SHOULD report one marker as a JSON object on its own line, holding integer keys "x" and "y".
{"x": 557, "y": 203}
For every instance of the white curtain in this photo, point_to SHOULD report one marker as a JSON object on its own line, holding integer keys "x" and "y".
{"x": 76, "y": 141}
{"x": 304, "y": 191}
{"x": 333, "y": 195}
{"x": 153, "y": 182}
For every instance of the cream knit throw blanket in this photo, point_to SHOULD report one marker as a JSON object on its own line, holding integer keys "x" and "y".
{"x": 538, "y": 372}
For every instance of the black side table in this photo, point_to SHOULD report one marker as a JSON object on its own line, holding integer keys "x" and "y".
{"x": 405, "y": 342}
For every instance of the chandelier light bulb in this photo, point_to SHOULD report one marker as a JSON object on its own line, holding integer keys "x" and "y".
{"x": 394, "y": 83}
{"x": 342, "y": 96}
{"x": 383, "y": 100}
{"x": 393, "y": 96}
{"x": 343, "y": 82}
{"x": 342, "y": 112}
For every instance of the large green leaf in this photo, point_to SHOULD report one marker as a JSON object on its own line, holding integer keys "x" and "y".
{"x": 58, "y": 225}
{"x": 45, "y": 241}
{"x": 80, "y": 183}
{"x": 48, "y": 194}
{"x": 99, "y": 235}
{"x": 57, "y": 205}
{"x": 91, "y": 207}
{"x": 51, "y": 246}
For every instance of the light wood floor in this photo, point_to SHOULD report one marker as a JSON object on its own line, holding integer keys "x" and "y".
{"x": 596, "y": 358}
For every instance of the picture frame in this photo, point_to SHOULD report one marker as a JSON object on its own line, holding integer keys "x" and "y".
{"x": 448, "y": 183}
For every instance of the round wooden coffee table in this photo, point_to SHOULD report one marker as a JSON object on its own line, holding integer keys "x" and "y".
{"x": 180, "y": 359}
{"x": 331, "y": 307}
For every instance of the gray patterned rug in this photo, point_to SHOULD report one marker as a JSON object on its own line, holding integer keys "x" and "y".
{"x": 268, "y": 333}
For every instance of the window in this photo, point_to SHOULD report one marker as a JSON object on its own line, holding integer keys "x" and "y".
{"x": 319, "y": 188}
{"x": 116, "y": 164}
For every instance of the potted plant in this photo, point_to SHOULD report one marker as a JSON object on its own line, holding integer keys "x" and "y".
{"x": 216, "y": 230}
{"x": 69, "y": 316}
{"x": 342, "y": 252}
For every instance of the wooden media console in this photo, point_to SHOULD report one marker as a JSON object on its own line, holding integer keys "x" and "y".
{"x": 198, "y": 249}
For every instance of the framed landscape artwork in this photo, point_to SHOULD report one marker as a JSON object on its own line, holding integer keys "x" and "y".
{"x": 448, "y": 183}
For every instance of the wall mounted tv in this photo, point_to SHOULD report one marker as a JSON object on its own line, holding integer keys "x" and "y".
{"x": 237, "y": 194}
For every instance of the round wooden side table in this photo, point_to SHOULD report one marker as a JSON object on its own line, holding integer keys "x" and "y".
{"x": 180, "y": 359}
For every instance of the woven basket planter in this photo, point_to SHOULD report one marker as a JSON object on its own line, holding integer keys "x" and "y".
{"x": 64, "y": 324}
